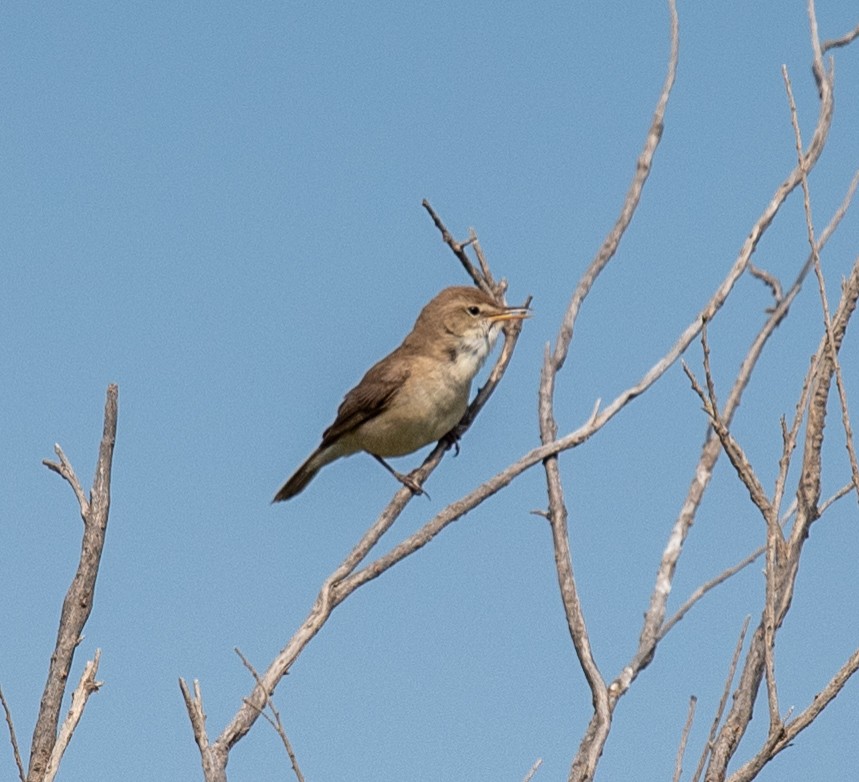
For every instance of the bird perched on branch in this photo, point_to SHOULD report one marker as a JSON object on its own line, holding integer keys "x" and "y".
{"x": 417, "y": 394}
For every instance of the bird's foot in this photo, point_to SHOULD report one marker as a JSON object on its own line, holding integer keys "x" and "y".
{"x": 406, "y": 480}
{"x": 451, "y": 439}
{"x": 411, "y": 483}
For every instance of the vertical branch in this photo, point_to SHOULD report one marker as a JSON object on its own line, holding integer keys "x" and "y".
{"x": 86, "y": 687}
{"x": 724, "y": 699}
{"x": 585, "y": 761}
{"x": 684, "y": 736}
{"x": 79, "y": 598}
{"x": 214, "y": 759}
{"x": 821, "y": 284}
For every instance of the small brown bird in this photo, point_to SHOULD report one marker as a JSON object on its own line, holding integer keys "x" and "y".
{"x": 417, "y": 394}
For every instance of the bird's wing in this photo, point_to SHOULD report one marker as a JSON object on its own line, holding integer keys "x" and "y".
{"x": 368, "y": 399}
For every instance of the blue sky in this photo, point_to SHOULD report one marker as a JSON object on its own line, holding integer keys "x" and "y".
{"x": 217, "y": 207}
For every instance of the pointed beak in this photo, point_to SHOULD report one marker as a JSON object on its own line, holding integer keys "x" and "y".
{"x": 511, "y": 313}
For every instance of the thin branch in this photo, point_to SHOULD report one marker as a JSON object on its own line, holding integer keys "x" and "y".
{"x": 214, "y": 758}
{"x": 194, "y": 705}
{"x": 844, "y": 40}
{"x": 720, "y": 709}
{"x": 458, "y": 249}
{"x": 64, "y": 469}
{"x": 684, "y": 736}
{"x": 770, "y": 280}
{"x": 792, "y": 434}
{"x": 12, "y": 736}
{"x": 86, "y": 687}
{"x": 821, "y": 284}
{"x": 643, "y": 166}
{"x": 481, "y": 258}
{"x": 732, "y": 448}
{"x": 533, "y": 770}
{"x": 820, "y": 702}
{"x": 79, "y": 598}
{"x": 808, "y": 493}
{"x": 590, "y": 748}
{"x": 274, "y": 720}
{"x": 844, "y": 490}
{"x": 704, "y": 588}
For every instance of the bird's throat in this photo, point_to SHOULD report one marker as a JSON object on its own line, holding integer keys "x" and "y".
{"x": 469, "y": 353}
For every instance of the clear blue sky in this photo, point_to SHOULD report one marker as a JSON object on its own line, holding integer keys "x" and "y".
{"x": 217, "y": 206}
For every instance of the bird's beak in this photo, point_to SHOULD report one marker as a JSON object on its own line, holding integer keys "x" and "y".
{"x": 511, "y": 313}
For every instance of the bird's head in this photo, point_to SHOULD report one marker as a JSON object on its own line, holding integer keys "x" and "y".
{"x": 465, "y": 321}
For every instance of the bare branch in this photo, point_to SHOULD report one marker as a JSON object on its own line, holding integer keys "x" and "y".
{"x": 770, "y": 280}
{"x": 684, "y": 736}
{"x": 79, "y": 598}
{"x": 820, "y": 702}
{"x": 214, "y": 758}
{"x": 844, "y": 40}
{"x": 65, "y": 470}
{"x": 590, "y": 748}
{"x": 533, "y": 770}
{"x": 706, "y": 587}
{"x": 274, "y": 720}
{"x": 86, "y": 686}
{"x": 775, "y": 538}
{"x": 12, "y": 736}
{"x": 458, "y": 249}
{"x": 633, "y": 196}
{"x": 808, "y": 493}
{"x": 792, "y": 728}
{"x": 194, "y": 705}
{"x": 844, "y": 490}
{"x": 821, "y": 284}
{"x": 481, "y": 259}
{"x": 720, "y": 709}
{"x": 732, "y": 448}
{"x": 792, "y": 434}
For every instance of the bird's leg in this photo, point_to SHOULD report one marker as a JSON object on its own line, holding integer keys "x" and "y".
{"x": 406, "y": 480}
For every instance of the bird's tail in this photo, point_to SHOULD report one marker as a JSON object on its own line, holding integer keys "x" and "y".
{"x": 306, "y": 473}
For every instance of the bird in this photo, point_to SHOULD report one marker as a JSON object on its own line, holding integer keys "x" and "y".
{"x": 417, "y": 394}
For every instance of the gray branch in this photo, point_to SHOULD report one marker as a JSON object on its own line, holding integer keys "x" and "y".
{"x": 79, "y": 598}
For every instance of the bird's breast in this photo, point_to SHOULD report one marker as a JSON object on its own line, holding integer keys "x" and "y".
{"x": 426, "y": 407}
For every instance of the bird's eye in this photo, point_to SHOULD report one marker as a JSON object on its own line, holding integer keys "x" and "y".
{"x": 474, "y": 311}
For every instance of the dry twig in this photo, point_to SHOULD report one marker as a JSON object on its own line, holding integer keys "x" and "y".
{"x": 12, "y": 737}
{"x": 720, "y": 709}
{"x": 684, "y": 736}
{"x": 533, "y": 770}
{"x": 274, "y": 720}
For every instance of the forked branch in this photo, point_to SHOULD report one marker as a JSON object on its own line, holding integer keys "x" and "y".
{"x": 47, "y": 745}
